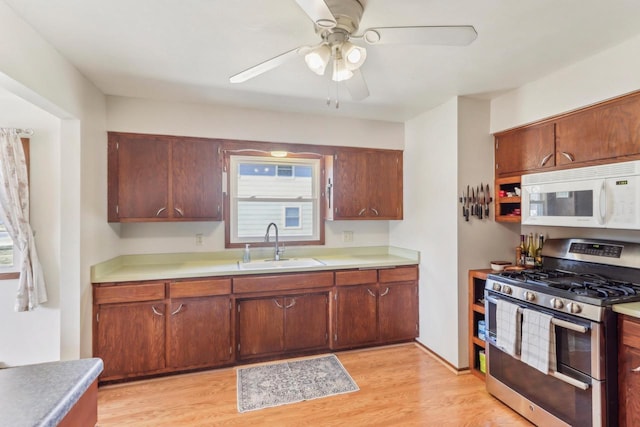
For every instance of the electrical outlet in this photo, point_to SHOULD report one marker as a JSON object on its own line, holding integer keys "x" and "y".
{"x": 347, "y": 236}
{"x": 199, "y": 240}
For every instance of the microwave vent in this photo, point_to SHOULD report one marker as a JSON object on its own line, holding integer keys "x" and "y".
{"x": 579, "y": 174}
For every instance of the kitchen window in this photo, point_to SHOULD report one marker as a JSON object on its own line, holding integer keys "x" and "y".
{"x": 263, "y": 189}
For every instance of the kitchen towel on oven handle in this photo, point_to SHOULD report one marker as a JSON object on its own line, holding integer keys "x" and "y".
{"x": 538, "y": 341}
{"x": 508, "y": 327}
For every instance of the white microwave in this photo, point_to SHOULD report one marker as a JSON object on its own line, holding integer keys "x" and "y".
{"x": 606, "y": 196}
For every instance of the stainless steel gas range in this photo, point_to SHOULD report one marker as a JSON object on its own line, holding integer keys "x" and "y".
{"x": 574, "y": 291}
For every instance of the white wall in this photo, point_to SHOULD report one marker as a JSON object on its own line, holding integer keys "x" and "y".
{"x": 171, "y": 118}
{"x": 447, "y": 148}
{"x": 72, "y": 186}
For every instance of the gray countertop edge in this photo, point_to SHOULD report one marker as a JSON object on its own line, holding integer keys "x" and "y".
{"x": 43, "y": 394}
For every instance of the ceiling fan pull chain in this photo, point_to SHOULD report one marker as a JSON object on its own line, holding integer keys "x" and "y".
{"x": 337, "y": 96}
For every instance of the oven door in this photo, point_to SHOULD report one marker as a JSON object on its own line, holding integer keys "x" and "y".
{"x": 572, "y": 393}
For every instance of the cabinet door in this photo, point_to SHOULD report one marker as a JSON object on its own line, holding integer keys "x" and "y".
{"x": 196, "y": 175}
{"x": 199, "y": 332}
{"x": 143, "y": 177}
{"x": 603, "y": 132}
{"x": 350, "y": 196}
{"x": 356, "y": 320}
{"x": 527, "y": 149}
{"x": 398, "y": 311}
{"x": 306, "y": 322}
{"x": 260, "y": 327}
{"x": 131, "y": 338}
{"x": 629, "y": 386}
{"x": 384, "y": 184}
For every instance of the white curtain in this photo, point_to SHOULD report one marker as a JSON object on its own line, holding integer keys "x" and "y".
{"x": 14, "y": 212}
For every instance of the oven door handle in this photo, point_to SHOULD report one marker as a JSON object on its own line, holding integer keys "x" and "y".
{"x": 572, "y": 381}
{"x": 568, "y": 325}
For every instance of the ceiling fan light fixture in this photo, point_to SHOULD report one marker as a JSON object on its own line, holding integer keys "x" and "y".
{"x": 318, "y": 59}
{"x": 354, "y": 55}
{"x": 340, "y": 70}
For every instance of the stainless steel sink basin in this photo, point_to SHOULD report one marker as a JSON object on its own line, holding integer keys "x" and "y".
{"x": 283, "y": 263}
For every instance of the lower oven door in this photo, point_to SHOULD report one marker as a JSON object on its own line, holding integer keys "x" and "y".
{"x": 572, "y": 394}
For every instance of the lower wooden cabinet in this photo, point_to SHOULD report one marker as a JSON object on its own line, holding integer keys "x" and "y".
{"x": 278, "y": 324}
{"x": 376, "y": 306}
{"x": 629, "y": 371}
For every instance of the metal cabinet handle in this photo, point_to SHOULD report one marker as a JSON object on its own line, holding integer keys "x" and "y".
{"x": 569, "y": 156}
{"x": 567, "y": 379}
{"x": 178, "y": 310}
{"x": 545, "y": 159}
{"x": 275, "y": 301}
{"x": 362, "y": 211}
{"x": 386, "y": 291}
{"x": 156, "y": 312}
{"x": 371, "y": 293}
{"x": 160, "y": 210}
{"x": 375, "y": 211}
{"x": 636, "y": 370}
{"x": 179, "y": 211}
{"x": 293, "y": 302}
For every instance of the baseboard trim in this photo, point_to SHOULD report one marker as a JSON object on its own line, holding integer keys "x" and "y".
{"x": 445, "y": 363}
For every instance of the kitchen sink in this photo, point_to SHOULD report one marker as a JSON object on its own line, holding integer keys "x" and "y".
{"x": 270, "y": 264}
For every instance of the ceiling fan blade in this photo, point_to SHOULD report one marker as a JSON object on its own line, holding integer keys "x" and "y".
{"x": 265, "y": 66}
{"x": 319, "y": 12}
{"x": 450, "y": 35}
{"x": 357, "y": 86}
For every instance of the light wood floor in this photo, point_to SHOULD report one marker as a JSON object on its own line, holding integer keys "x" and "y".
{"x": 399, "y": 385}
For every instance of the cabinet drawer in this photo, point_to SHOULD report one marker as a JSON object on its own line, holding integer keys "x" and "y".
{"x": 358, "y": 277}
{"x": 282, "y": 282}
{"x": 630, "y": 332}
{"x": 128, "y": 293}
{"x": 199, "y": 288}
{"x": 399, "y": 274}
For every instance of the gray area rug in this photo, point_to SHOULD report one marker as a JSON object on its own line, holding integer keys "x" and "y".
{"x": 289, "y": 382}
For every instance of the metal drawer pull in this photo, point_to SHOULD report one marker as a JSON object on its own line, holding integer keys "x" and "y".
{"x": 156, "y": 312}
{"x": 293, "y": 302}
{"x": 275, "y": 301}
{"x": 568, "y": 156}
{"x": 177, "y": 310}
{"x": 546, "y": 159}
{"x": 362, "y": 211}
{"x": 160, "y": 211}
{"x": 371, "y": 293}
{"x": 569, "y": 325}
{"x": 567, "y": 379}
{"x": 636, "y": 369}
{"x": 386, "y": 291}
{"x": 179, "y": 211}
{"x": 375, "y": 211}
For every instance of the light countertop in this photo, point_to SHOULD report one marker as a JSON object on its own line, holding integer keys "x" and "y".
{"x": 42, "y": 394}
{"x": 629, "y": 308}
{"x": 126, "y": 268}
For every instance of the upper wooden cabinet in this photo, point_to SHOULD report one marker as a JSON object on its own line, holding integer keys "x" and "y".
{"x": 523, "y": 149}
{"x": 162, "y": 178}
{"x": 364, "y": 184}
{"x": 604, "y": 131}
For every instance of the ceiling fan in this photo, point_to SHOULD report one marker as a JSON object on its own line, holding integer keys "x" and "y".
{"x": 337, "y": 22}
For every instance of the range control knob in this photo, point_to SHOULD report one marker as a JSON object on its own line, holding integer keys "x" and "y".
{"x": 557, "y": 303}
{"x": 496, "y": 287}
{"x": 507, "y": 290}
{"x": 574, "y": 308}
{"x": 529, "y": 296}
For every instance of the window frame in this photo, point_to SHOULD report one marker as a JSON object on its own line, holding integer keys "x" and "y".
{"x": 262, "y": 155}
{"x": 10, "y": 273}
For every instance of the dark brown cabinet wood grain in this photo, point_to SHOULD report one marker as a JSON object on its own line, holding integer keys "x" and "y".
{"x": 629, "y": 371}
{"x": 525, "y": 149}
{"x": 278, "y": 324}
{"x": 365, "y": 184}
{"x": 376, "y": 306}
{"x": 163, "y": 178}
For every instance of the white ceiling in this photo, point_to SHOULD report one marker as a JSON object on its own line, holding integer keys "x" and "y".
{"x": 185, "y": 50}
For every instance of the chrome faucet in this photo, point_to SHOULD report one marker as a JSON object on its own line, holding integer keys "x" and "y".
{"x": 276, "y": 252}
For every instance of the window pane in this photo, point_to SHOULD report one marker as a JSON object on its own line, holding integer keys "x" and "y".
{"x": 254, "y": 217}
{"x": 6, "y": 247}
{"x": 260, "y": 181}
{"x": 285, "y": 170}
{"x": 291, "y": 217}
